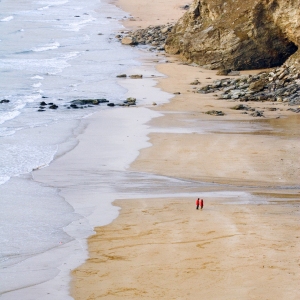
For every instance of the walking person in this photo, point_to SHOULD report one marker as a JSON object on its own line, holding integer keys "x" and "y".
{"x": 197, "y": 203}
{"x": 201, "y": 203}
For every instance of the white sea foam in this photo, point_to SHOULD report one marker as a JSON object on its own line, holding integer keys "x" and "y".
{"x": 53, "y": 2}
{"x": 5, "y": 116}
{"x": 37, "y": 77}
{"x": 7, "y": 19}
{"x": 76, "y": 26}
{"x": 4, "y": 179}
{"x": 37, "y": 85}
{"x": 46, "y": 47}
{"x": 43, "y": 8}
{"x": 50, "y": 65}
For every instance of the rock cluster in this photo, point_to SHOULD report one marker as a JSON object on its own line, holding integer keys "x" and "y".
{"x": 128, "y": 102}
{"x": 238, "y": 34}
{"x": 85, "y": 103}
{"x": 279, "y": 85}
{"x": 155, "y": 36}
{"x": 43, "y": 106}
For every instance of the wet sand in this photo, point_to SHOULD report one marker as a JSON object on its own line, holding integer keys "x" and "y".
{"x": 238, "y": 247}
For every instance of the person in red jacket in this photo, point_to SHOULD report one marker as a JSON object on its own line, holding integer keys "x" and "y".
{"x": 197, "y": 203}
{"x": 201, "y": 203}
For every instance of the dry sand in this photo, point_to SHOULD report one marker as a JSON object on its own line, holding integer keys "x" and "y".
{"x": 165, "y": 249}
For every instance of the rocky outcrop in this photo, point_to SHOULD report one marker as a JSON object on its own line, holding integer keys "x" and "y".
{"x": 154, "y": 36}
{"x": 279, "y": 85}
{"x": 238, "y": 34}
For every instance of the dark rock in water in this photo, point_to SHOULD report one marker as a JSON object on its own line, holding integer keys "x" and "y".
{"x": 4, "y": 101}
{"x": 122, "y": 76}
{"x": 41, "y": 109}
{"x": 130, "y": 101}
{"x": 73, "y": 106}
{"x": 89, "y": 101}
{"x": 136, "y": 76}
{"x": 110, "y": 104}
{"x": 43, "y": 103}
{"x": 50, "y": 103}
{"x": 53, "y": 106}
{"x": 44, "y": 97}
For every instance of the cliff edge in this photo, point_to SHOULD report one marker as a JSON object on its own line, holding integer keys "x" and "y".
{"x": 238, "y": 34}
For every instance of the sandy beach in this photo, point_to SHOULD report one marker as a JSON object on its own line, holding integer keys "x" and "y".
{"x": 242, "y": 245}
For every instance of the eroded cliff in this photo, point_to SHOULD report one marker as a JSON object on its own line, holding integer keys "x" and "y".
{"x": 238, "y": 34}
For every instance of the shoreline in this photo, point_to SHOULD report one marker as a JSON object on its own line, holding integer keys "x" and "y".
{"x": 115, "y": 269}
{"x": 86, "y": 173}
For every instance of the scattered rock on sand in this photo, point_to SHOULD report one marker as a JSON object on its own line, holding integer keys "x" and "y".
{"x": 122, "y": 76}
{"x": 258, "y": 113}
{"x": 215, "y": 113}
{"x": 240, "y": 107}
{"x": 195, "y": 82}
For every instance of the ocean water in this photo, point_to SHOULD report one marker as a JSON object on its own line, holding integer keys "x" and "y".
{"x": 53, "y": 51}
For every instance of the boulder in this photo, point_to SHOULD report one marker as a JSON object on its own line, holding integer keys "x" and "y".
{"x": 130, "y": 101}
{"x": 128, "y": 41}
{"x": 4, "y": 101}
{"x": 257, "y": 86}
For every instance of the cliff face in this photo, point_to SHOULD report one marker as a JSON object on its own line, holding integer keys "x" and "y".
{"x": 238, "y": 34}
